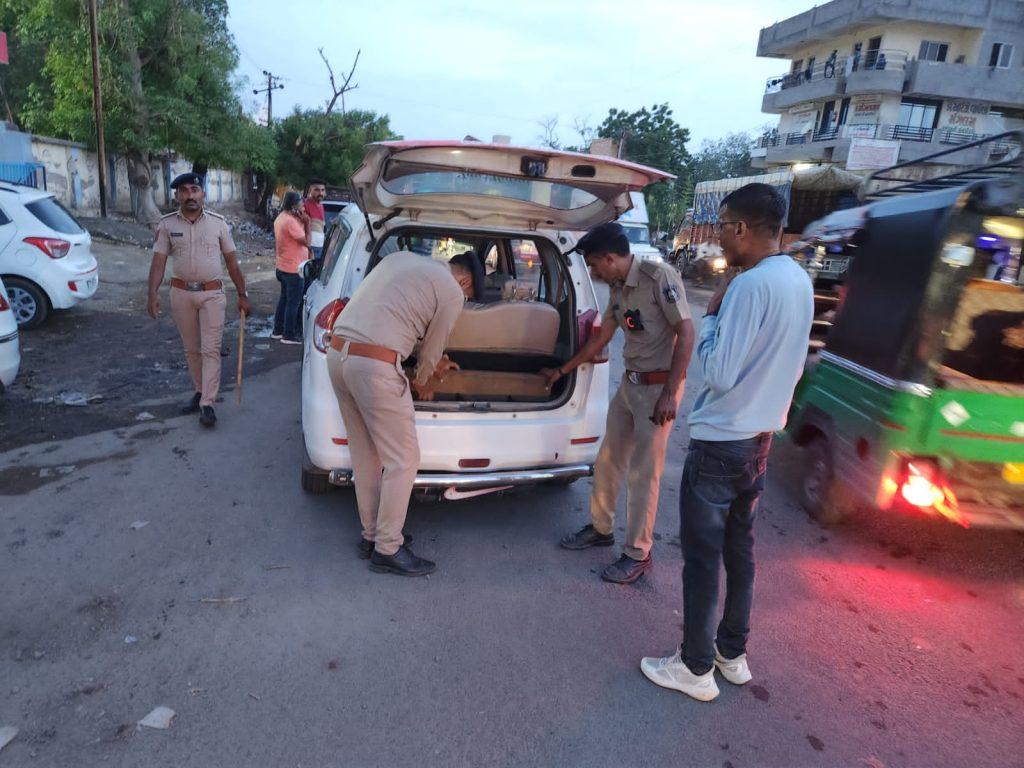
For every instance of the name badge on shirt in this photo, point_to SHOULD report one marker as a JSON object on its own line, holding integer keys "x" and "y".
{"x": 177, "y": 234}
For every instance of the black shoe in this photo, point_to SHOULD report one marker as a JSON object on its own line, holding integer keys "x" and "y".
{"x": 193, "y": 404}
{"x": 626, "y": 570}
{"x": 587, "y": 537}
{"x": 403, "y": 562}
{"x": 206, "y": 416}
{"x": 291, "y": 340}
{"x": 366, "y": 547}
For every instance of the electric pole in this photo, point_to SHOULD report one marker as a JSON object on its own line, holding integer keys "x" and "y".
{"x": 97, "y": 101}
{"x": 272, "y": 85}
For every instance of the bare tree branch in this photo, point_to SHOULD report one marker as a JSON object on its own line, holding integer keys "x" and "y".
{"x": 345, "y": 86}
{"x": 549, "y": 137}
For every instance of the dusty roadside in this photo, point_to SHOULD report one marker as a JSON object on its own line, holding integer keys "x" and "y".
{"x": 108, "y": 354}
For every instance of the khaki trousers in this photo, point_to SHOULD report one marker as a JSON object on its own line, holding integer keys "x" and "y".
{"x": 633, "y": 449}
{"x": 199, "y": 316}
{"x": 376, "y": 406}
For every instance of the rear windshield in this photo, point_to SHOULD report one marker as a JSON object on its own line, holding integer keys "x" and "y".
{"x": 54, "y": 215}
{"x": 547, "y": 193}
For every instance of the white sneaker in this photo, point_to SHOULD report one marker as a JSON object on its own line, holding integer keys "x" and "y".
{"x": 671, "y": 672}
{"x": 735, "y": 670}
{"x": 276, "y": 335}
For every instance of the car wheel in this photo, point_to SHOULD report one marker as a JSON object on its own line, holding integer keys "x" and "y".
{"x": 314, "y": 479}
{"x": 28, "y": 302}
{"x": 820, "y": 494}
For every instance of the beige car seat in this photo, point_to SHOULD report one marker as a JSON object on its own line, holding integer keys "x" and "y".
{"x": 523, "y": 327}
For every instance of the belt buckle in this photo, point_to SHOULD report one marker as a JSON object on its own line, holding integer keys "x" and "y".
{"x": 193, "y": 285}
{"x": 633, "y": 377}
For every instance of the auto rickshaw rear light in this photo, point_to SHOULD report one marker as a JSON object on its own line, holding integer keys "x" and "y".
{"x": 474, "y": 463}
{"x": 920, "y": 491}
{"x": 588, "y": 325}
{"x": 324, "y": 322}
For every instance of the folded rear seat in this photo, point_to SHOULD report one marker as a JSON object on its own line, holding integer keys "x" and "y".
{"x": 516, "y": 327}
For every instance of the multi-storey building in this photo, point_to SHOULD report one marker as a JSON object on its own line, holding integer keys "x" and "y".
{"x": 875, "y": 82}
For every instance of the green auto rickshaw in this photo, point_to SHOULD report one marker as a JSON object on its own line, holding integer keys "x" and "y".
{"x": 914, "y": 402}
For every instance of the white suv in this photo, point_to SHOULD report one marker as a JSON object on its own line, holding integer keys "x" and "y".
{"x": 493, "y": 425}
{"x": 45, "y": 255}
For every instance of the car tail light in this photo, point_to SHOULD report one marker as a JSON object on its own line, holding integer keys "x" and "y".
{"x": 588, "y": 325}
{"x": 4, "y": 306}
{"x": 324, "y": 322}
{"x": 474, "y": 463}
{"x": 51, "y": 246}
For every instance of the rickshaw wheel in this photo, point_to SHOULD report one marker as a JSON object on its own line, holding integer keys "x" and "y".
{"x": 819, "y": 492}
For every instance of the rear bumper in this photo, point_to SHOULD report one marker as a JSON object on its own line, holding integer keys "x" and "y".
{"x": 482, "y": 480}
{"x": 10, "y": 359}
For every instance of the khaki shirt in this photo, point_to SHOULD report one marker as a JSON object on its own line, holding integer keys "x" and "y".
{"x": 407, "y": 300}
{"x": 655, "y": 299}
{"x": 195, "y": 247}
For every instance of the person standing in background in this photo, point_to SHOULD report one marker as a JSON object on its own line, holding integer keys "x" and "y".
{"x": 291, "y": 243}
{"x": 313, "y": 205}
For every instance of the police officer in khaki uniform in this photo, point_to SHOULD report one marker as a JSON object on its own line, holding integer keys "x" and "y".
{"x": 648, "y": 302}
{"x": 407, "y": 302}
{"x": 196, "y": 240}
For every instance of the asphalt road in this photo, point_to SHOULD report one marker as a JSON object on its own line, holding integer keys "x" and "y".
{"x": 886, "y": 642}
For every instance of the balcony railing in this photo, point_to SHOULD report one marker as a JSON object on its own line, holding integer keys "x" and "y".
{"x": 946, "y": 136}
{"x": 841, "y": 66}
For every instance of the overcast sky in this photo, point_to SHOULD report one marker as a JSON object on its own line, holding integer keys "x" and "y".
{"x": 447, "y": 68}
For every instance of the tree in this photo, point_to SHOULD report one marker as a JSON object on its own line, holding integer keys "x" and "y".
{"x": 652, "y": 137}
{"x": 331, "y": 147}
{"x": 549, "y": 132}
{"x": 167, "y": 83}
{"x": 725, "y": 158}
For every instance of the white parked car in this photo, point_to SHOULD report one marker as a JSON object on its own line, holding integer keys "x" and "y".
{"x": 493, "y": 424}
{"x": 46, "y": 259}
{"x": 10, "y": 354}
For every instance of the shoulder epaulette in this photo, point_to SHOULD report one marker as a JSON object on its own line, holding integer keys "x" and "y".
{"x": 651, "y": 268}
{"x": 211, "y": 213}
{"x": 168, "y": 215}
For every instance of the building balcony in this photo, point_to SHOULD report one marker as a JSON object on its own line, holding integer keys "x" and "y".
{"x": 875, "y": 72}
{"x": 942, "y": 80}
{"x": 833, "y": 145}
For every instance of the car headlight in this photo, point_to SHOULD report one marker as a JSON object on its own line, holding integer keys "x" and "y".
{"x": 718, "y": 263}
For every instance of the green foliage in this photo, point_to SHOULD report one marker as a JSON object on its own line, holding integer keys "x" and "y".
{"x": 167, "y": 78}
{"x": 726, "y": 158}
{"x": 652, "y": 137}
{"x": 314, "y": 145}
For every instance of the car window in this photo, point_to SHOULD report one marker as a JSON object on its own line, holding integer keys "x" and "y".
{"x": 4, "y": 218}
{"x": 527, "y": 264}
{"x": 54, "y": 215}
{"x": 340, "y": 234}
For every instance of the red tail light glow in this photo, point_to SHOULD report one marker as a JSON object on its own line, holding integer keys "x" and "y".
{"x": 51, "y": 246}
{"x": 324, "y": 322}
{"x": 4, "y": 306}
{"x": 474, "y": 463}
{"x": 588, "y": 325}
{"x": 920, "y": 484}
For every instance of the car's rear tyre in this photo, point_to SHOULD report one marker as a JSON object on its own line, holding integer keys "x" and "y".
{"x": 820, "y": 494}
{"x": 28, "y": 302}
{"x": 314, "y": 480}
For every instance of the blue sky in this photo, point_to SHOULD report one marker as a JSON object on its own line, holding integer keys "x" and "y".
{"x": 444, "y": 69}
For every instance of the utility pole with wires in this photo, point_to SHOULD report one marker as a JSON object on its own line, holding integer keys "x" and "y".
{"x": 97, "y": 99}
{"x": 272, "y": 85}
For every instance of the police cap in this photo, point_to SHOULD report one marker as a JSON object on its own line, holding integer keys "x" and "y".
{"x": 187, "y": 178}
{"x": 609, "y": 237}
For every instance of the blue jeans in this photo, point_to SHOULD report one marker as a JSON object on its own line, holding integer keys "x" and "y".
{"x": 722, "y": 482}
{"x": 287, "y": 314}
